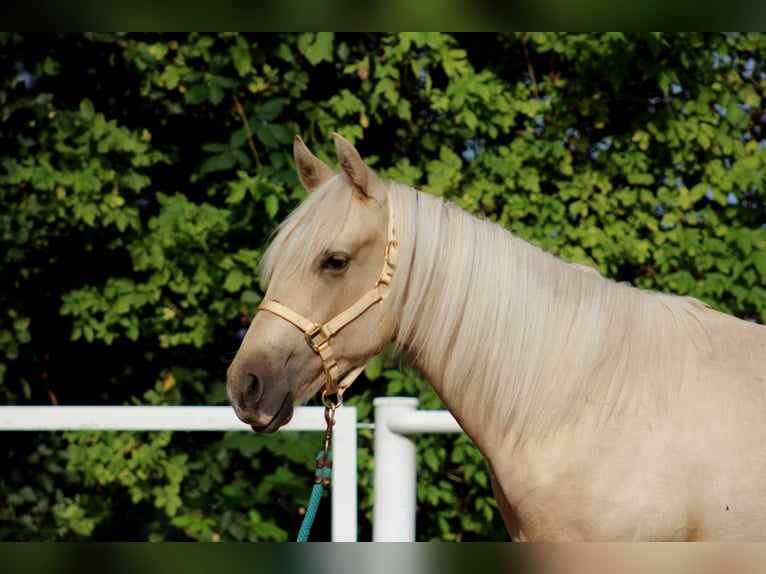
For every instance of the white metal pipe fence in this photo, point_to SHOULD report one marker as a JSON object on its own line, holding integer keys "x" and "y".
{"x": 396, "y": 421}
{"x": 209, "y": 418}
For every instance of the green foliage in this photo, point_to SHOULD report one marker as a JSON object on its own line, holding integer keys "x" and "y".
{"x": 113, "y": 462}
{"x": 141, "y": 175}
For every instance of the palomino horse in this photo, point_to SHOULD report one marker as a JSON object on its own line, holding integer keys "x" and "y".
{"x": 605, "y": 412}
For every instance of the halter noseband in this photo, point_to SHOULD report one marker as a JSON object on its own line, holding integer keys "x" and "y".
{"x": 318, "y": 336}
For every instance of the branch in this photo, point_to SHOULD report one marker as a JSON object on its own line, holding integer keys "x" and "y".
{"x": 529, "y": 67}
{"x": 241, "y": 112}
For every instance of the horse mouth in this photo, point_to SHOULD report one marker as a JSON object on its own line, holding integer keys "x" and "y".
{"x": 282, "y": 417}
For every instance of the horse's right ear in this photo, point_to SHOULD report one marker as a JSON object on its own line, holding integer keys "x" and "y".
{"x": 312, "y": 171}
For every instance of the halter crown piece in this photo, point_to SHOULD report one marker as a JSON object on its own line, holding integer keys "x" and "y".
{"x": 318, "y": 336}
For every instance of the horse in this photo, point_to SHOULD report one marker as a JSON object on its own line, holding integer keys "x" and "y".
{"x": 605, "y": 412}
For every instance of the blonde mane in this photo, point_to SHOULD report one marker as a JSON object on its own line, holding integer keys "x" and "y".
{"x": 522, "y": 337}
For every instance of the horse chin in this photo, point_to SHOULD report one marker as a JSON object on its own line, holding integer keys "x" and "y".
{"x": 281, "y": 418}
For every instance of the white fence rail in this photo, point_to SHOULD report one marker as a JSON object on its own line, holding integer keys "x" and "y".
{"x": 396, "y": 421}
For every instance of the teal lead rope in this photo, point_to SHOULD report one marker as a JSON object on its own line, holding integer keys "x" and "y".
{"x": 322, "y": 476}
{"x": 321, "y": 479}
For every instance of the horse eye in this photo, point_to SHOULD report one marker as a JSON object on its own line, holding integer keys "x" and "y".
{"x": 335, "y": 262}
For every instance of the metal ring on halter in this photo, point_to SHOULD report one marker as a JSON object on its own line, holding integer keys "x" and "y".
{"x": 327, "y": 402}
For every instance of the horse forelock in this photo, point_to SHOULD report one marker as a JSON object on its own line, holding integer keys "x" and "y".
{"x": 523, "y": 338}
{"x": 307, "y": 231}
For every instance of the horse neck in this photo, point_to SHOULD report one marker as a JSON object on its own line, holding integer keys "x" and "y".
{"x": 514, "y": 341}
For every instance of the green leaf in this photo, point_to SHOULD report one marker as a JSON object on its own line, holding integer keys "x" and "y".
{"x": 234, "y": 281}
{"x": 640, "y": 178}
{"x": 271, "y": 109}
{"x": 374, "y": 368}
{"x": 242, "y": 59}
{"x": 87, "y": 112}
{"x": 172, "y": 77}
{"x": 197, "y": 94}
{"x": 266, "y": 135}
{"x": 50, "y": 66}
{"x": 431, "y": 459}
{"x": 237, "y": 138}
{"x": 220, "y": 162}
{"x": 759, "y": 261}
{"x": 270, "y": 531}
{"x": 215, "y": 94}
{"x": 215, "y": 147}
{"x": 317, "y": 47}
{"x": 272, "y": 205}
{"x": 698, "y": 192}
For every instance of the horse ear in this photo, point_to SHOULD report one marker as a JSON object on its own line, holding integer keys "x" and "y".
{"x": 354, "y": 168}
{"x": 312, "y": 171}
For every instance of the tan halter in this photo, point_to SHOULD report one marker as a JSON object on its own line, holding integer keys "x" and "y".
{"x": 318, "y": 336}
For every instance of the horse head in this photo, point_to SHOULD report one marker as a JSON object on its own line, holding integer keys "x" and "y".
{"x": 323, "y": 315}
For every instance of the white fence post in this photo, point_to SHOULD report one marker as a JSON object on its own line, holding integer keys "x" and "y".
{"x": 396, "y": 421}
{"x": 344, "y": 476}
{"x": 395, "y": 479}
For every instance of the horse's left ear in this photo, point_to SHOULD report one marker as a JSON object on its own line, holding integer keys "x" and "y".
{"x": 312, "y": 171}
{"x": 354, "y": 168}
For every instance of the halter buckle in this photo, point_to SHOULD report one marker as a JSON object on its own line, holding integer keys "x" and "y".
{"x": 316, "y": 338}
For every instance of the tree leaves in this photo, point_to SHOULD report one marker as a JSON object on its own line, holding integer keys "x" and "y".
{"x": 316, "y": 46}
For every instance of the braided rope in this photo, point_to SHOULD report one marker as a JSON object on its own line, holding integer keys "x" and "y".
{"x": 322, "y": 478}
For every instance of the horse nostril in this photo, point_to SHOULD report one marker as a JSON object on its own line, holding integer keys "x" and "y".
{"x": 254, "y": 388}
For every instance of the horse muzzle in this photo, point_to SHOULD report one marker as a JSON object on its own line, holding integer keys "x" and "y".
{"x": 281, "y": 418}
{"x": 247, "y": 397}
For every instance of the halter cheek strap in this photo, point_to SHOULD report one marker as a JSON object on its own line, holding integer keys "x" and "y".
{"x": 318, "y": 336}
